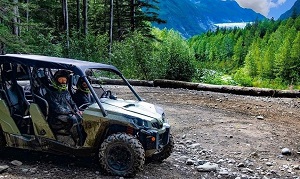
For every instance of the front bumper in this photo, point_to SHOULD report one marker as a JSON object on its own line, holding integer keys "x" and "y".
{"x": 153, "y": 140}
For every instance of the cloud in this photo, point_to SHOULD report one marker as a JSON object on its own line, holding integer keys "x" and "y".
{"x": 260, "y": 6}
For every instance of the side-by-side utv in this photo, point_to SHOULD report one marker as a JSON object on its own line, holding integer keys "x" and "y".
{"x": 121, "y": 131}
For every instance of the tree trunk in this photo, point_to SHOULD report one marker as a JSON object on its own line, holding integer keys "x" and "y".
{"x": 105, "y": 21}
{"x": 27, "y": 14}
{"x": 132, "y": 15}
{"x": 66, "y": 23}
{"x": 252, "y": 91}
{"x": 111, "y": 26}
{"x": 85, "y": 17}
{"x": 78, "y": 15}
{"x": 15, "y": 18}
{"x": 63, "y": 5}
{"x": 118, "y": 16}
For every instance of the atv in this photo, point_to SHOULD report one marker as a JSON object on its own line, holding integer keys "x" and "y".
{"x": 121, "y": 131}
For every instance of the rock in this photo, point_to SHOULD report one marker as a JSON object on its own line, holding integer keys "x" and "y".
{"x": 269, "y": 164}
{"x": 184, "y": 136}
{"x": 16, "y": 163}
{"x": 33, "y": 170}
{"x": 183, "y": 158}
{"x": 241, "y": 165}
{"x": 260, "y": 117}
{"x": 231, "y": 161}
{"x": 245, "y": 177}
{"x": 254, "y": 154}
{"x": 220, "y": 161}
{"x": 297, "y": 167}
{"x": 190, "y": 162}
{"x": 188, "y": 142}
{"x": 247, "y": 170}
{"x": 3, "y": 168}
{"x": 24, "y": 170}
{"x": 192, "y": 146}
{"x": 201, "y": 162}
{"x": 286, "y": 151}
{"x": 223, "y": 171}
{"x": 208, "y": 167}
{"x": 181, "y": 142}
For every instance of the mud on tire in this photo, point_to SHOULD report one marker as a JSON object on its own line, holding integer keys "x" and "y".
{"x": 164, "y": 153}
{"x": 121, "y": 154}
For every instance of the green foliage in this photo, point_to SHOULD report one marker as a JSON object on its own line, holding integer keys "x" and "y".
{"x": 90, "y": 47}
{"x": 168, "y": 57}
{"x": 242, "y": 78}
{"x": 133, "y": 57}
{"x": 178, "y": 59}
{"x": 264, "y": 54}
{"x": 8, "y": 39}
{"x": 213, "y": 77}
{"x": 41, "y": 44}
{"x": 137, "y": 51}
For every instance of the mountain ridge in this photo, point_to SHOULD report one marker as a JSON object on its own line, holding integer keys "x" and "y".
{"x": 193, "y": 17}
{"x": 294, "y": 9}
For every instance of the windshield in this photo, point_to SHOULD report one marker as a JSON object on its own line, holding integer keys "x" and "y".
{"x": 107, "y": 84}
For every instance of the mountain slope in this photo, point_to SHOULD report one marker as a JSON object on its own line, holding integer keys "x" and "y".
{"x": 192, "y": 17}
{"x": 294, "y": 9}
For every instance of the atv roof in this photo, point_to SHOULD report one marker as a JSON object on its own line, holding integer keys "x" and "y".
{"x": 77, "y": 66}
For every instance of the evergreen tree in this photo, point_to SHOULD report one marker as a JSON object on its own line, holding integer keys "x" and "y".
{"x": 295, "y": 57}
{"x": 252, "y": 60}
{"x": 282, "y": 61}
{"x": 238, "y": 53}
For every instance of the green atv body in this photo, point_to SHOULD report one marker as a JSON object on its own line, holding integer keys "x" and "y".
{"x": 121, "y": 133}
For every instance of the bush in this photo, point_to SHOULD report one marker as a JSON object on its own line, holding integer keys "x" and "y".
{"x": 90, "y": 47}
{"x": 213, "y": 77}
{"x": 179, "y": 68}
{"x": 242, "y": 78}
{"x": 177, "y": 58}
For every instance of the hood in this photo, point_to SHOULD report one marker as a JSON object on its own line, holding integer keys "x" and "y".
{"x": 139, "y": 107}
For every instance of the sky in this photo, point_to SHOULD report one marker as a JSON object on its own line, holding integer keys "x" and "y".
{"x": 268, "y": 8}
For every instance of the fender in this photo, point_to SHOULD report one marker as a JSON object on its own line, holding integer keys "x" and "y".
{"x": 6, "y": 121}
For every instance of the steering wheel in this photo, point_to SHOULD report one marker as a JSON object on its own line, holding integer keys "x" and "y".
{"x": 108, "y": 94}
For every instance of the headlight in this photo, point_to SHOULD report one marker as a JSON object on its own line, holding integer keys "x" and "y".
{"x": 139, "y": 122}
{"x": 136, "y": 120}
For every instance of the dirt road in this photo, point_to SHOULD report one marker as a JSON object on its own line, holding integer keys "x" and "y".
{"x": 239, "y": 136}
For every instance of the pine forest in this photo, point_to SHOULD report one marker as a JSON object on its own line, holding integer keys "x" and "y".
{"x": 119, "y": 32}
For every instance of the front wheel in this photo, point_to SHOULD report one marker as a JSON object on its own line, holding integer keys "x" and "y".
{"x": 164, "y": 153}
{"x": 121, "y": 154}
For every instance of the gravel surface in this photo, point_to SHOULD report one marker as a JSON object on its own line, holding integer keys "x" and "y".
{"x": 216, "y": 135}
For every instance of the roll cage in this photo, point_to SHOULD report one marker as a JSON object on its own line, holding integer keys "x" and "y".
{"x": 31, "y": 65}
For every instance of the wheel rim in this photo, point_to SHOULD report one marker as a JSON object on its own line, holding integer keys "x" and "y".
{"x": 119, "y": 158}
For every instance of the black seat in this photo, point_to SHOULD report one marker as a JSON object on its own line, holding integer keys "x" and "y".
{"x": 40, "y": 85}
{"x": 15, "y": 97}
{"x": 43, "y": 105}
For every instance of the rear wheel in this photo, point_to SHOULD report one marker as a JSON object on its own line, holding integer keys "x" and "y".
{"x": 121, "y": 154}
{"x": 164, "y": 153}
